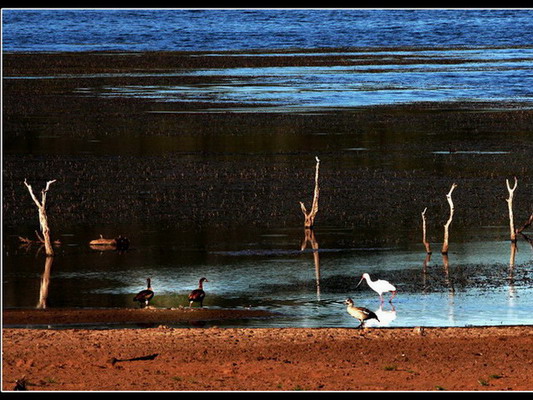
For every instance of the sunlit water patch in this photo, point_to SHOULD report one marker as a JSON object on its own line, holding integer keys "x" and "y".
{"x": 382, "y": 77}
{"x": 467, "y": 75}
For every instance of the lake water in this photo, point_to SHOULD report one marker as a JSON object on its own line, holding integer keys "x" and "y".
{"x": 268, "y": 270}
{"x": 417, "y": 55}
{"x": 217, "y": 30}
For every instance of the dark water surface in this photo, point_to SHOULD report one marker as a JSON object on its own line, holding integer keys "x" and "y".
{"x": 201, "y": 158}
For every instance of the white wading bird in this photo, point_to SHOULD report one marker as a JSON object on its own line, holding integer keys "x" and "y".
{"x": 380, "y": 286}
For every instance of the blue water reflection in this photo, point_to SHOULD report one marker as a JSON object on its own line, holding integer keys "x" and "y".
{"x": 388, "y": 80}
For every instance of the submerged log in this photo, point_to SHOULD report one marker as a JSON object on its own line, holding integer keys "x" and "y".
{"x": 103, "y": 242}
{"x": 118, "y": 243}
{"x": 40, "y": 240}
{"x": 309, "y": 217}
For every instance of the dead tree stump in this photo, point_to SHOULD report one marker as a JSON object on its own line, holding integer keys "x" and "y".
{"x": 45, "y": 283}
{"x": 424, "y": 240}
{"x": 310, "y": 216}
{"x": 43, "y": 219}
{"x": 447, "y": 225}
{"x": 510, "y": 206}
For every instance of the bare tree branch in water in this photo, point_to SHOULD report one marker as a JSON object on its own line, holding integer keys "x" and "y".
{"x": 43, "y": 219}
{"x": 310, "y": 216}
{"x": 510, "y": 206}
{"x": 447, "y": 225}
{"x": 424, "y": 240}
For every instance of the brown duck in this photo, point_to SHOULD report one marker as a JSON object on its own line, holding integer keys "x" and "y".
{"x": 198, "y": 295}
{"x": 360, "y": 313}
{"x": 144, "y": 296}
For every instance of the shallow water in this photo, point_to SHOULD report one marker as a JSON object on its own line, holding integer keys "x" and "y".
{"x": 268, "y": 270}
{"x": 380, "y": 77}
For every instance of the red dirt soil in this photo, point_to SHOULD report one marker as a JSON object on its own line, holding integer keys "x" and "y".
{"x": 269, "y": 359}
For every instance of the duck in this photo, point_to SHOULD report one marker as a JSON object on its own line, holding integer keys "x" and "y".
{"x": 360, "y": 313}
{"x": 144, "y": 296}
{"x": 198, "y": 295}
{"x": 379, "y": 286}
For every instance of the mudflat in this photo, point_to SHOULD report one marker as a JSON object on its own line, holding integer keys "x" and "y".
{"x": 104, "y": 316}
{"x": 131, "y": 159}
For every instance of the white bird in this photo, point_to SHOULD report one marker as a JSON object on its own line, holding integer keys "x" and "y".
{"x": 379, "y": 286}
{"x": 360, "y": 313}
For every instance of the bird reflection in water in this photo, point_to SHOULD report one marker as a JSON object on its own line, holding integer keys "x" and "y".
{"x": 385, "y": 316}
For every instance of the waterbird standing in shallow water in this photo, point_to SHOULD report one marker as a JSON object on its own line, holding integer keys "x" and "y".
{"x": 360, "y": 313}
{"x": 379, "y": 286}
{"x": 144, "y": 296}
{"x": 197, "y": 295}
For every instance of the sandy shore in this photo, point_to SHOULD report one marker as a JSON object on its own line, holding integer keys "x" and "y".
{"x": 269, "y": 359}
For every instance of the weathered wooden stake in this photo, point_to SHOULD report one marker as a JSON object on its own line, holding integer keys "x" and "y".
{"x": 310, "y": 217}
{"x": 424, "y": 240}
{"x": 447, "y": 225}
{"x": 510, "y": 205}
{"x": 43, "y": 219}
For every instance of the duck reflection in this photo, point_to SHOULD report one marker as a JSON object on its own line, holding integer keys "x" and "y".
{"x": 310, "y": 238}
{"x": 45, "y": 283}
